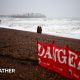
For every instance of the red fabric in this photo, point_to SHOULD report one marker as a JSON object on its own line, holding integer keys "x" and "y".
{"x": 59, "y": 59}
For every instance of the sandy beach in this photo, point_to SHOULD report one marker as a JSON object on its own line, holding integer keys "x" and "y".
{"x": 18, "y": 49}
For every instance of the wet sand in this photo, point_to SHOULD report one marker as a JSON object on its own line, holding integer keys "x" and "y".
{"x": 18, "y": 49}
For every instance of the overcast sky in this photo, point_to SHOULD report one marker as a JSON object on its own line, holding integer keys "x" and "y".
{"x": 51, "y": 8}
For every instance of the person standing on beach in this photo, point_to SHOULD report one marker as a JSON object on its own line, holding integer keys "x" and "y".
{"x": 39, "y": 29}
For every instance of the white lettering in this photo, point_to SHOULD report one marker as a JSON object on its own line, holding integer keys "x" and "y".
{"x": 63, "y": 57}
{"x": 48, "y": 54}
{"x": 72, "y": 56}
{"x": 40, "y": 52}
{"x": 7, "y": 70}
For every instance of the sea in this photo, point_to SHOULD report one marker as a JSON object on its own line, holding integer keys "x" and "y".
{"x": 69, "y": 28}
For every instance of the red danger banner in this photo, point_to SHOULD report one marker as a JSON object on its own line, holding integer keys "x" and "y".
{"x": 62, "y": 60}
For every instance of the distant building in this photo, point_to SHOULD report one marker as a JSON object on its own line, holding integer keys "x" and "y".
{"x": 29, "y": 15}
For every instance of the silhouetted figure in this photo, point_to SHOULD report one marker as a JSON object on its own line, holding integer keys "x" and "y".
{"x": 39, "y": 29}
